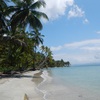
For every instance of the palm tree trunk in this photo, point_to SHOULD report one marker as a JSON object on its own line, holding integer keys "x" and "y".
{"x": 42, "y": 63}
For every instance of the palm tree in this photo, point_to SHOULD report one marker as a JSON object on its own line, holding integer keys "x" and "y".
{"x": 47, "y": 56}
{"x": 27, "y": 14}
{"x": 3, "y": 21}
{"x": 16, "y": 47}
{"x": 11, "y": 49}
{"x": 37, "y": 38}
{"x": 67, "y": 64}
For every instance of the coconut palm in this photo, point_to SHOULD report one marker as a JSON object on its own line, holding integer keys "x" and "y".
{"x": 47, "y": 56}
{"x": 3, "y": 21}
{"x": 37, "y": 38}
{"x": 27, "y": 14}
{"x": 11, "y": 51}
{"x": 17, "y": 46}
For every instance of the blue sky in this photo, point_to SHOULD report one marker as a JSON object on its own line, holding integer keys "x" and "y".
{"x": 73, "y": 30}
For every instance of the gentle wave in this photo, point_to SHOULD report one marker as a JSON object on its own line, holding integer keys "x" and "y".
{"x": 46, "y": 79}
{"x": 74, "y": 83}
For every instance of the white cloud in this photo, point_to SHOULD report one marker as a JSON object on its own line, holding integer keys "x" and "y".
{"x": 83, "y": 43}
{"x": 81, "y": 58}
{"x": 87, "y": 44}
{"x": 75, "y": 12}
{"x": 98, "y": 32}
{"x": 81, "y": 52}
{"x": 93, "y": 48}
{"x": 56, "y": 48}
{"x": 85, "y": 21}
{"x": 57, "y": 8}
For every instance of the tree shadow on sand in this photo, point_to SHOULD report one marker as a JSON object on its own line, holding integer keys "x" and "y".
{"x": 20, "y": 75}
{"x": 15, "y": 75}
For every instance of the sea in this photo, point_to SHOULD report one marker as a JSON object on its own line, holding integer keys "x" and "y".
{"x": 71, "y": 83}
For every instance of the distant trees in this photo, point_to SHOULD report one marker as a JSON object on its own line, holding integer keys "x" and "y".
{"x": 59, "y": 63}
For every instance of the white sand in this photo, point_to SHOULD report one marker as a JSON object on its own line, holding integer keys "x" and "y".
{"x": 16, "y": 88}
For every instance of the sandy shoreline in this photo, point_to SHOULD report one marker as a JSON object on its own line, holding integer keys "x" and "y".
{"x": 16, "y": 88}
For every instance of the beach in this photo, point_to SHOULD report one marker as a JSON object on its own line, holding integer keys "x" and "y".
{"x": 53, "y": 84}
{"x": 15, "y": 88}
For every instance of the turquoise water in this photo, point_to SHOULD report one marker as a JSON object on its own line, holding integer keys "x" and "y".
{"x": 82, "y": 76}
{"x": 73, "y": 83}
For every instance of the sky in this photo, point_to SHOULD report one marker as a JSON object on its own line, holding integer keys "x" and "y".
{"x": 73, "y": 30}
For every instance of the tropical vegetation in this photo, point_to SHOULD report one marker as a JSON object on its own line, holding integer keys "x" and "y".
{"x": 20, "y": 37}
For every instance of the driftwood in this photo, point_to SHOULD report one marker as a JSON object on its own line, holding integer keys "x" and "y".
{"x": 26, "y": 97}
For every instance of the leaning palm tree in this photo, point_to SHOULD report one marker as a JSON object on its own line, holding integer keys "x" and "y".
{"x": 27, "y": 13}
{"x": 47, "y": 56}
{"x": 36, "y": 39}
{"x": 16, "y": 45}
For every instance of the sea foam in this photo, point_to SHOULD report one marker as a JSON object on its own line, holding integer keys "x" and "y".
{"x": 46, "y": 80}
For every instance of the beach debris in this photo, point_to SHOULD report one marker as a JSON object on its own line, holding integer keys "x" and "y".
{"x": 26, "y": 97}
{"x": 80, "y": 95}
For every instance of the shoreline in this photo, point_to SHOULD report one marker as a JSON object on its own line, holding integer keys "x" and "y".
{"x": 37, "y": 79}
{"x": 15, "y": 88}
{"x": 38, "y": 85}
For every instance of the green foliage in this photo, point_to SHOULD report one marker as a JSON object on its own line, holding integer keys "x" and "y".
{"x": 26, "y": 13}
{"x": 19, "y": 50}
{"x": 18, "y": 47}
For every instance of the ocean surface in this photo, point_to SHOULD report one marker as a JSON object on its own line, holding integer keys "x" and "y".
{"x": 71, "y": 83}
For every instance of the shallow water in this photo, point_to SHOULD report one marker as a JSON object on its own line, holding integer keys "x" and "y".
{"x": 71, "y": 83}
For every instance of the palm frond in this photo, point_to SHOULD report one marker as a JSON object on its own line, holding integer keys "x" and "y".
{"x": 11, "y": 9}
{"x": 28, "y": 2}
{"x": 37, "y": 4}
{"x": 18, "y": 2}
{"x": 18, "y": 18}
{"x": 35, "y": 22}
{"x": 3, "y": 24}
{"x": 3, "y": 4}
{"x": 40, "y": 14}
